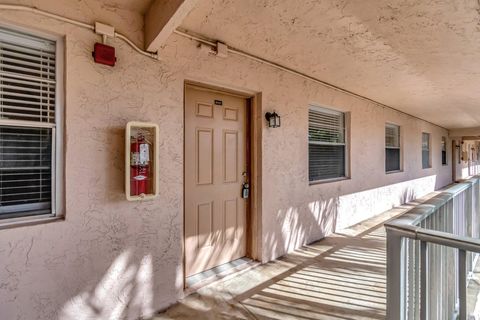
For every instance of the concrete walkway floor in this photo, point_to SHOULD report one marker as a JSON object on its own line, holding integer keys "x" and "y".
{"x": 339, "y": 277}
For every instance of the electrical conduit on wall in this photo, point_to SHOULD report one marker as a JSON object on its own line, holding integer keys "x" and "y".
{"x": 152, "y": 55}
{"x": 203, "y": 40}
{"x": 214, "y": 44}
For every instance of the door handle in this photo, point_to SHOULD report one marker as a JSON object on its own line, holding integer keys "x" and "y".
{"x": 245, "y": 186}
{"x": 245, "y": 190}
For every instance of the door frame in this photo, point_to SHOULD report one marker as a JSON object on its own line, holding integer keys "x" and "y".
{"x": 253, "y": 140}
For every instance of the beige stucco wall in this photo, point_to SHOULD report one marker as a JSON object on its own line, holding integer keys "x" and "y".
{"x": 296, "y": 213}
{"x": 113, "y": 258}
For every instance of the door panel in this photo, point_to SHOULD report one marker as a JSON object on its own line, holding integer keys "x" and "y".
{"x": 231, "y": 219}
{"x": 215, "y": 159}
{"x": 204, "y": 158}
{"x": 204, "y": 225}
{"x": 230, "y": 156}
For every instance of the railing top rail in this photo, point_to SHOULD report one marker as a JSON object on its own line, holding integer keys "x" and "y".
{"x": 417, "y": 214}
{"x": 406, "y": 225}
{"x": 438, "y": 237}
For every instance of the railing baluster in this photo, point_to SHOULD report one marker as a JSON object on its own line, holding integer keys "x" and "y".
{"x": 462, "y": 284}
{"x": 443, "y": 296}
{"x": 395, "y": 276}
{"x": 416, "y": 314}
{"x": 423, "y": 280}
{"x": 451, "y": 261}
{"x": 430, "y": 252}
{"x": 410, "y": 278}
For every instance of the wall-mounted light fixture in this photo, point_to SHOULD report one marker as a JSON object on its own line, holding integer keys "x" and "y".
{"x": 273, "y": 119}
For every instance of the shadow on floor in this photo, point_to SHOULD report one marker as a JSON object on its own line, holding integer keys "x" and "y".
{"x": 340, "y": 277}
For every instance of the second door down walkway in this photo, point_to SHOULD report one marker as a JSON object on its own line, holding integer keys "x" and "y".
{"x": 340, "y": 277}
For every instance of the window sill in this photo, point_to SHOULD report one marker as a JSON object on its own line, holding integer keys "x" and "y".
{"x": 28, "y": 221}
{"x": 328, "y": 180}
{"x": 393, "y": 171}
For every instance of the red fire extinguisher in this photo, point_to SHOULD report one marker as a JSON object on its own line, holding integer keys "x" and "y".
{"x": 139, "y": 165}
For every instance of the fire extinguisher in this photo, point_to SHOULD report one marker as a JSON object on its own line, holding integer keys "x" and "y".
{"x": 139, "y": 165}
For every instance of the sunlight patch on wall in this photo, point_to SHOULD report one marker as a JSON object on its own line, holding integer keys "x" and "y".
{"x": 356, "y": 207}
{"x": 125, "y": 291}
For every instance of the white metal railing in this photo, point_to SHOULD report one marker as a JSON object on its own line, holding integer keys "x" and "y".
{"x": 431, "y": 252}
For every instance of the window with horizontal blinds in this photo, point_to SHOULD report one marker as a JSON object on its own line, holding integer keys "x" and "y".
{"x": 27, "y": 77}
{"x": 326, "y": 144}
{"x": 27, "y": 124}
{"x": 425, "y": 150}
{"x": 444, "y": 151}
{"x": 392, "y": 148}
{"x": 25, "y": 180}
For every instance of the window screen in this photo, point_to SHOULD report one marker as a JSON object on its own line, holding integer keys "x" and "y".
{"x": 326, "y": 144}
{"x": 444, "y": 151}
{"x": 426, "y": 150}
{"x": 27, "y": 124}
{"x": 392, "y": 147}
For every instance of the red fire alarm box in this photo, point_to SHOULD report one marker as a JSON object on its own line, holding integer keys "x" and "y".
{"x": 104, "y": 54}
{"x": 141, "y": 161}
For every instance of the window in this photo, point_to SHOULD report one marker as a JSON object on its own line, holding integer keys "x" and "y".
{"x": 392, "y": 148}
{"x": 426, "y": 151}
{"x": 29, "y": 125}
{"x": 444, "y": 151}
{"x": 459, "y": 153}
{"x": 326, "y": 144}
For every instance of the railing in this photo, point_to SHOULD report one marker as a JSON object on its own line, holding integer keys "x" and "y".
{"x": 432, "y": 252}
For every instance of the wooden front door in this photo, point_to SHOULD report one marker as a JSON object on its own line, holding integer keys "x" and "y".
{"x": 215, "y": 169}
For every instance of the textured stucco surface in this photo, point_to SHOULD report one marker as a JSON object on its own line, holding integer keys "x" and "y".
{"x": 418, "y": 56}
{"x": 124, "y": 15}
{"x": 115, "y": 259}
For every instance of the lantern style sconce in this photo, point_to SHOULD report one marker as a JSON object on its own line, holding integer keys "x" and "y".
{"x": 273, "y": 119}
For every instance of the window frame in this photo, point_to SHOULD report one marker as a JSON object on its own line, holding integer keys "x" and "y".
{"x": 400, "y": 145}
{"x": 444, "y": 142}
{"x": 429, "y": 150}
{"x": 57, "y": 173}
{"x": 346, "y": 144}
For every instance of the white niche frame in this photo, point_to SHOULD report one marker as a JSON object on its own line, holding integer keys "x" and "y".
{"x": 131, "y": 127}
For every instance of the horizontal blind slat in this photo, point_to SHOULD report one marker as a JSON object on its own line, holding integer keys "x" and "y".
{"x": 45, "y": 58}
{"x": 43, "y": 97}
{"x": 26, "y": 180}
{"x": 40, "y": 104}
{"x": 26, "y": 200}
{"x": 326, "y": 126}
{"x": 392, "y": 159}
{"x": 30, "y": 52}
{"x": 27, "y": 77}
{"x": 27, "y": 95}
{"x": 25, "y": 169}
{"x": 21, "y": 115}
{"x": 326, "y": 135}
{"x": 425, "y": 150}
{"x": 37, "y": 75}
{"x": 41, "y": 65}
{"x": 25, "y": 53}
{"x": 32, "y": 80}
{"x": 18, "y": 38}
{"x": 392, "y": 135}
